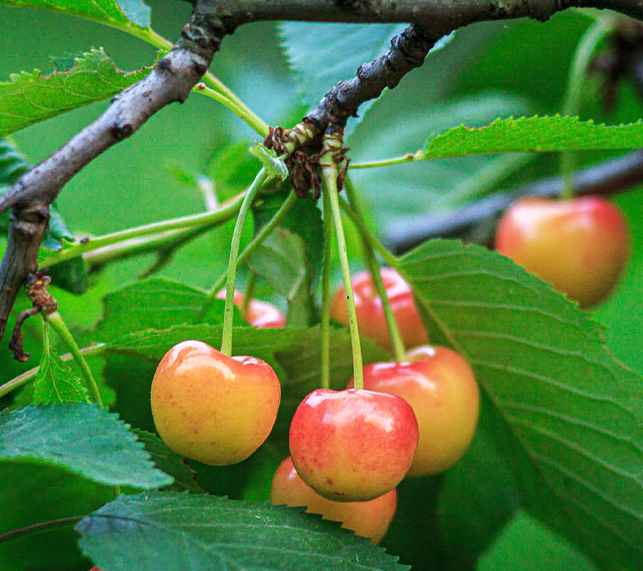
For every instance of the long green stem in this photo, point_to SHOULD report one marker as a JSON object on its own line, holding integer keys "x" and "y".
{"x": 31, "y": 374}
{"x": 325, "y": 314}
{"x": 578, "y": 72}
{"x": 218, "y": 91}
{"x": 408, "y": 158}
{"x": 226, "y": 212}
{"x": 399, "y": 351}
{"x": 330, "y": 173}
{"x": 261, "y": 178}
{"x": 58, "y": 325}
{"x": 249, "y": 250}
{"x": 389, "y": 258}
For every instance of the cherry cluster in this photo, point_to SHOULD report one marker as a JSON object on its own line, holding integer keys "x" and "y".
{"x": 349, "y": 449}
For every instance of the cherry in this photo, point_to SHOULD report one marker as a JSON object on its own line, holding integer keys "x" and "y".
{"x": 440, "y": 386}
{"x": 213, "y": 408}
{"x": 260, "y": 314}
{"x": 370, "y": 316}
{"x": 352, "y": 445}
{"x": 580, "y": 246}
{"x": 368, "y": 519}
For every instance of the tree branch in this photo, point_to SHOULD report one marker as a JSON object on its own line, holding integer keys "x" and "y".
{"x": 175, "y": 76}
{"x": 605, "y": 178}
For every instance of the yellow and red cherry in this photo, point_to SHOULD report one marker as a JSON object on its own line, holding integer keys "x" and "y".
{"x": 580, "y": 246}
{"x": 442, "y": 390}
{"x": 369, "y": 519}
{"x": 352, "y": 445}
{"x": 260, "y": 314}
{"x": 370, "y": 315}
{"x": 213, "y": 408}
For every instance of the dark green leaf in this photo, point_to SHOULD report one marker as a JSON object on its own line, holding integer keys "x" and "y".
{"x": 56, "y": 382}
{"x": 568, "y": 418}
{"x": 280, "y": 260}
{"x": 155, "y": 303}
{"x": 33, "y": 494}
{"x": 477, "y": 499}
{"x": 170, "y": 463}
{"x": 528, "y": 545}
{"x": 82, "y": 439}
{"x": 303, "y": 219}
{"x": 175, "y": 532}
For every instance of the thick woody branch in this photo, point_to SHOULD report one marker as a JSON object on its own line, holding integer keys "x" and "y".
{"x": 607, "y": 178}
{"x": 171, "y": 81}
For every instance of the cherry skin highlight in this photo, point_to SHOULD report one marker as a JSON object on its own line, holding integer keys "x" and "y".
{"x": 369, "y": 519}
{"x": 370, "y": 315}
{"x": 213, "y": 408}
{"x": 440, "y": 387}
{"x": 260, "y": 314}
{"x": 352, "y": 445}
{"x": 580, "y": 246}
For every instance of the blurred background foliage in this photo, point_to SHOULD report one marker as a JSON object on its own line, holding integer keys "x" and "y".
{"x": 487, "y": 71}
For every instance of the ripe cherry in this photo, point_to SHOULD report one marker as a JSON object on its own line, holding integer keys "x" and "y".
{"x": 368, "y": 519}
{"x": 260, "y": 314}
{"x": 352, "y": 445}
{"x": 213, "y": 408}
{"x": 440, "y": 386}
{"x": 580, "y": 246}
{"x": 370, "y": 316}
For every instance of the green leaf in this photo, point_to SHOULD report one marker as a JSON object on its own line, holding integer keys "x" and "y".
{"x": 155, "y": 303}
{"x": 323, "y": 54}
{"x": 273, "y": 164}
{"x": 280, "y": 259}
{"x": 127, "y": 15}
{"x": 12, "y": 164}
{"x": 478, "y": 498}
{"x": 170, "y": 463}
{"x": 56, "y": 382}
{"x": 514, "y": 549}
{"x": 33, "y": 494}
{"x": 303, "y": 219}
{"x": 206, "y": 532}
{"x": 567, "y": 417}
{"x": 81, "y": 439}
{"x": 29, "y": 98}
{"x": 535, "y": 135}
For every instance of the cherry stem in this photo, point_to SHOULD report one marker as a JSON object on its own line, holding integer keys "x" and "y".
{"x": 399, "y": 351}
{"x": 325, "y": 314}
{"x": 578, "y": 72}
{"x": 249, "y": 250}
{"x": 59, "y": 326}
{"x": 249, "y": 294}
{"x": 330, "y": 172}
{"x": 228, "y": 313}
